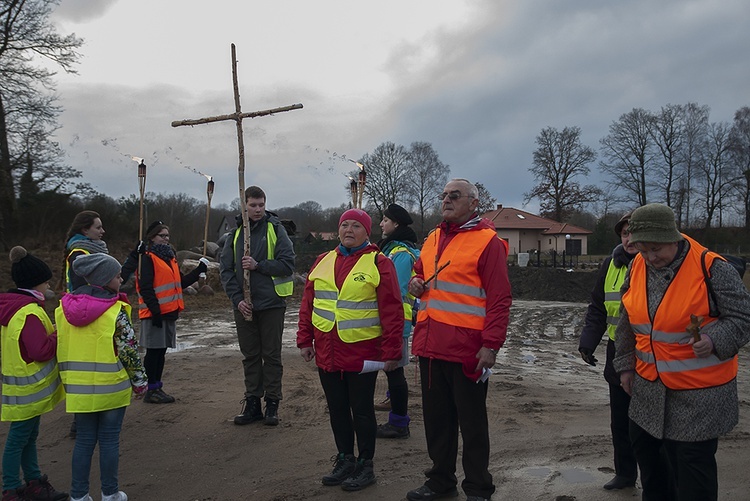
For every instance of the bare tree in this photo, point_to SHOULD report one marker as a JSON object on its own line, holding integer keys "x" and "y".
{"x": 387, "y": 169}
{"x": 426, "y": 179}
{"x": 667, "y": 132}
{"x": 627, "y": 152}
{"x": 696, "y": 125}
{"x": 716, "y": 174}
{"x": 739, "y": 145}
{"x": 26, "y": 33}
{"x": 560, "y": 157}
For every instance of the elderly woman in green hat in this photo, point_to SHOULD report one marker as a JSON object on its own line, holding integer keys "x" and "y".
{"x": 679, "y": 363}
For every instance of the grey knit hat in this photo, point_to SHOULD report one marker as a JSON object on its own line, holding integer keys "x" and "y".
{"x": 98, "y": 269}
{"x": 653, "y": 223}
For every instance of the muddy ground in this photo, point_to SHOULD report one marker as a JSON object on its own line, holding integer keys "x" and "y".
{"x": 549, "y": 420}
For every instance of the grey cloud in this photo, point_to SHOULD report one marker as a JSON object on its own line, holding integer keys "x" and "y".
{"x": 83, "y": 10}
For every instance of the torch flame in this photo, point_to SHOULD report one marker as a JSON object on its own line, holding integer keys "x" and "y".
{"x": 136, "y": 159}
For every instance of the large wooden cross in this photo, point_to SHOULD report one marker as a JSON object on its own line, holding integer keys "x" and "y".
{"x": 238, "y": 116}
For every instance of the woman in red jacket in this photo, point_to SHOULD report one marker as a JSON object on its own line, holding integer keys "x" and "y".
{"x": 351, "y": 312}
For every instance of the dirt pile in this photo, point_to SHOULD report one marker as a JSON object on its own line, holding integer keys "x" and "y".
{"x": 552, "y": 284}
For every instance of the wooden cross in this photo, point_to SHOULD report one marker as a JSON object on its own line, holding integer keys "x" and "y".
{"x": 238, "y": 116}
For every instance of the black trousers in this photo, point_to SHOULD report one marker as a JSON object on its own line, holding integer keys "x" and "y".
{"x": 153, "y": 362}
{"x": 451, "y": 401}
{"x": 625, "y": 463}
{"x": 675, "y": 471}
{"x": 398, "y": 390}
{"x": 351, "y": 410}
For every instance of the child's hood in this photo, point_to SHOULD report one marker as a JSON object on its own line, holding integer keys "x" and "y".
{"x": 82, "y": 309}
{"x": 11, "y": 302}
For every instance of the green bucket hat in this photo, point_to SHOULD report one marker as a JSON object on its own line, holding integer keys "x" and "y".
{"x": 653, "y": 223}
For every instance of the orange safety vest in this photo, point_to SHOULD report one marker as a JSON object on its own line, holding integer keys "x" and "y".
{"x": 661, "y": 345}
{"x": 455, "y": 296}
{"x": 167, "y": 286}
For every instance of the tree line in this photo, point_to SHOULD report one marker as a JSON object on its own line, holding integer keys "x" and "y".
{"x": 676, "y": 155}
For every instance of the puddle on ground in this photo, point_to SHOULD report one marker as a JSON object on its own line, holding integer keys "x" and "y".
{"x": 199, "y": 332}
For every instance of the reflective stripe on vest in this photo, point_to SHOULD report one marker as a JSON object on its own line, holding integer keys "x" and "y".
{"x": 284, "y": 286}
{"x": 354, "y": 308}
{"x": 69, "y": 269}
{"x": 612, "y": 284}
{"x": 29, "y": 389}
{"x": 662, "y": 349}
{"x": 455, "y": 296}
{"x": 167, "y": 287}
{"x": 408, "y": 300}
{"x": 94, "y": 378}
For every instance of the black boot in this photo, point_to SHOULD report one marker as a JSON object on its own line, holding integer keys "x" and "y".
{"x": 343, "y": 466}
{"x": 250, "y": 411}
{"x": 362, "y": 476}
{"x": 272, "y": 412}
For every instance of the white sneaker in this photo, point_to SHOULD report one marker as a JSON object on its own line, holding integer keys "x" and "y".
{"x": 117, "y": 496}
{"x": 84, "y": 498}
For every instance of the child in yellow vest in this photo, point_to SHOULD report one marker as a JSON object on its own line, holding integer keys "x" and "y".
{"x": 99, "y": 375}
{"x": 31, "y": 382}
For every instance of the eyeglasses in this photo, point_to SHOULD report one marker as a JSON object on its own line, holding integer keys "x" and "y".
{"x": 454, "y": 195}
{"x": 163, "y": 235}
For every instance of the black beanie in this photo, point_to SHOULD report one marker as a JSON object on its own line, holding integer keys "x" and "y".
{"x": 28, "y": 271}
{"x": 395, "y": 212}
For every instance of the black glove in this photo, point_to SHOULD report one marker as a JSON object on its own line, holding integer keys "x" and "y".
{"x": 588, "y": 356}
{"x": 156, "y": 320}
{"x": 140, "y": 247}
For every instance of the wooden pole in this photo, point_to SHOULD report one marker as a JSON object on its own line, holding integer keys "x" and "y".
{"x": 235, "y": 116}
{"x": 241, "y": 176}
{"x": 209, "y": 194}
{"x": 142, "y": 189}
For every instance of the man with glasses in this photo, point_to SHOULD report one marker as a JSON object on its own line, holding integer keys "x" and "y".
{"x": 271, "y": 264}
{"x": 462, "y": 282}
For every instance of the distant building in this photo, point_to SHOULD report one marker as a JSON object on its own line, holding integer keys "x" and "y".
{"x": 223, "y": 227}
{"x": 320, "y": 235}
{"x": 526, "y": 232}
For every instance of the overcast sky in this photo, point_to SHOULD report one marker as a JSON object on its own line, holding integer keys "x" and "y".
{"x": 477, "y": 79}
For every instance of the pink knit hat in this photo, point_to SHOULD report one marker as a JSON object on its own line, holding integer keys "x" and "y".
{"x": 357, "y": 215}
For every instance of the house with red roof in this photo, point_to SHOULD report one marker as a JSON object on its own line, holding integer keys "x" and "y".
{"x": 526, "y": 232}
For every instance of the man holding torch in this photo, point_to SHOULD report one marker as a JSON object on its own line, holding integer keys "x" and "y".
{"x": 271, "y": 264}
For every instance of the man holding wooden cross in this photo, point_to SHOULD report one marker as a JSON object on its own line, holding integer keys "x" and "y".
{"x": 260, "y": 325}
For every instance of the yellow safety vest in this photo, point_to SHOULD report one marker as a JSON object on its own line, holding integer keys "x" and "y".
{"x": 284, "y": 286}
{"x": 69, "y": 268}
{"x": 94, "y": 378}
{"x": 612, "y": 284}
{"x": 354, "y": 308}
{"x": 29, "y": 389}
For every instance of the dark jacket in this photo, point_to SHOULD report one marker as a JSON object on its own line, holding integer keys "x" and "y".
{"x": 595, "y": 323}
{"x": 262, "y": 291}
